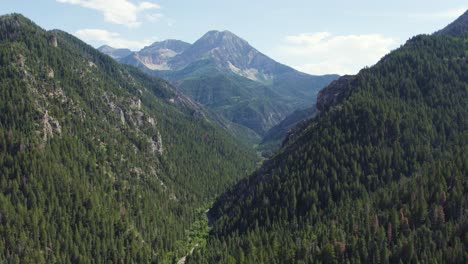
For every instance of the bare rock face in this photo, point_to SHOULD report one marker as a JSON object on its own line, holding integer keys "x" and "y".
{"x": 51, "y": 126}
{"x": 333, "y": 93}
{"x": 136, "y": 104}
{"x": 138, "y": 118}
{"x": 156, "y": 144}
{"x": 53, "y": 41}
{"x": 21, "y": 61}
{"x": 151, "y": 121}
{"x": 121, "y": 114}
{"x": 50, "y": 73}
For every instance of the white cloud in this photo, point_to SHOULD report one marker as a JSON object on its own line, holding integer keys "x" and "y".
{"x": 154, "y": 17}
{"x": 323, "y": 52}
{"x": 122, "y": 12}
{"x": 113, "y": 39}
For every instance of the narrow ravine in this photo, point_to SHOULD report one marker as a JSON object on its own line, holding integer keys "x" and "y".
{"x": 198, "y": 233}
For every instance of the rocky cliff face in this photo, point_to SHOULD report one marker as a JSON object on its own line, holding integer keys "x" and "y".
{"x": 333, "y": 93}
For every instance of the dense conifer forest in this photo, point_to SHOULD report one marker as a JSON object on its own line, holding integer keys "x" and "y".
{"x": 102, "y": 163}
{"x": 380, "y": 176}
{"x": 99, "y": 162}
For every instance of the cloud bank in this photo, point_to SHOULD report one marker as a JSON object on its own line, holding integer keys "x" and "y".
{"x": 324, "y": 52}
{"x": 121, "y": 12}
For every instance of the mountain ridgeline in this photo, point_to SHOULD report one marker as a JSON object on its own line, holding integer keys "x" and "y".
{"x": 99, "y": 161}
{"x": 457, "y": 27}
{"x": 227, "y": 75}
{"x": 114, "y": 53}
{"x": 379, "y": 176}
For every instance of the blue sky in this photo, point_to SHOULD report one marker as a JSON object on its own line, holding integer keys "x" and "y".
{"x": 317, "y": 37}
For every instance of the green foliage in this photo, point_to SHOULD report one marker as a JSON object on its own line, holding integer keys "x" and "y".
{"x": 99, "y": 162}
{"x": 380, "y": 177}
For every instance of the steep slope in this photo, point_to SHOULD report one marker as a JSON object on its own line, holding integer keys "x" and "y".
{"x": 99, "y": 161}
{"x": 225, "y": 73}
{"x": 379, "y": 176}
{"x": 114, "y": 53}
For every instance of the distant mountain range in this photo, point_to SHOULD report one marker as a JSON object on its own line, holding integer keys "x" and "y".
{"x": 114, "y": 53}
{"x": 229, "y": 76}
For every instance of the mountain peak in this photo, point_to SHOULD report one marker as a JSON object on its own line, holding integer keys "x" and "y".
{"x": 219, "y": 32}
{"x": 17, "y": 23}
{"x": 458, "y": 27}
{"x": 176, "y": 45}
{"x": 217, "y": 38}
{"x": 224, "y": 48}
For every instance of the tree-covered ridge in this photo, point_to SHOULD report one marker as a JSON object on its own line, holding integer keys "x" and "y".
{"x": 99, "y": 162}
{"x": 459, "y": 27}
{"x": 379, "y": 177}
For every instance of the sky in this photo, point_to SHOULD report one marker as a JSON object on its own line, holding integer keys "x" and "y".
{"x": 316, "y": 37}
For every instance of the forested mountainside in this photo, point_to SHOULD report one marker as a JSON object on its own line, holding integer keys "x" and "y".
{"x": 227, "y": 75}
{"x": 99, "y": 162}
{"x": 380, "y": 176}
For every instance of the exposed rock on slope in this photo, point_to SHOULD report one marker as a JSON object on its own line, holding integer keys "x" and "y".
{"x": 96, "y": 163}
{"x": 333, "y": 93}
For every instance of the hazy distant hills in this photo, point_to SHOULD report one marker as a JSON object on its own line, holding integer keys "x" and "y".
{"x": 225, "y": 73}
{"x": 114, "y": 53}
